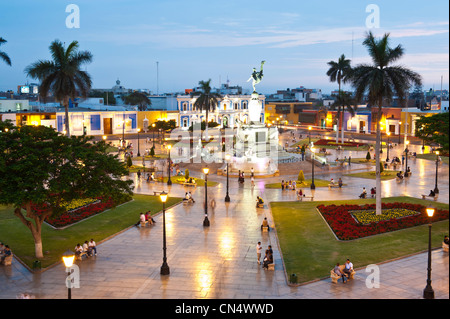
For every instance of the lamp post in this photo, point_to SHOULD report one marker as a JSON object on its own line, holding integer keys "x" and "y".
{"x": 381, "y": 137}
{"x": 165, "y": 270}
{"x": 309, "y": 134}
{"x": 428, "y": 292}
{"x": 406, "y": 157}
{"x": 169, "y": 182}
{"x": 227, "y": 158}
{"x": 123, "y": 133}
{"x": 206, "y": 220}
{"x": 399, "y": 132}
{"x": 68, "y": 258}
{"x": 153, "y": 129}
{"x": 312, "y": 162}
{"x": 138, "y": 153}
{"x": 436, "y": 189}
{"x": 387, "y": 156}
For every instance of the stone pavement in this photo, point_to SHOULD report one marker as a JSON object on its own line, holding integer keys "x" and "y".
{"x": 220, "y": 261}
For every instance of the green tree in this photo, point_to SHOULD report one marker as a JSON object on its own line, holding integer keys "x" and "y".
{"x": 186, "y": 173}
{"x": 339, "y": 72}
{"x": 434, "y": 129}
{"x": 138, "y": 98}
{"x": 382, "y": 80}
{"x": 206, "y": 101}
{"x": 41, "y": 168}
{"x": 3, "y": 55}
{"x": 129, "y": 162}
{"x": 62, "y": 76}
{"x": 368, "y": 156}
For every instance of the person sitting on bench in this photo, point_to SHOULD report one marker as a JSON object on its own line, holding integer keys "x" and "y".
{"x": 432, "y": 193}
{"x": 400, "y": 175}
{"x": 259, "y": 201}
{"x": 265, "y": 223}
{"x": 363, "y": 194}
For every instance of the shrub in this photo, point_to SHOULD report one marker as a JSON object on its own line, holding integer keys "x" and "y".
{"x": 129, "y": 161}
{"x": 186, "y": 174}
{"x": 301, "y": 176}
{"x": 152, "y": 151}
{"x": 368, "y": 156}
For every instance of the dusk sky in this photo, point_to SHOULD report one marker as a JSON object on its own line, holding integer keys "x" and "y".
{"x": 197, "y": 40}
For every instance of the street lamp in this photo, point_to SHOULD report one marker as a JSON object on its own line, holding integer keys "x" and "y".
{"x": 309, "y": 134}
{"x": 68, "y": 258}
{"x": 387, "y": 156}
{"x": 436, "y": 189}
{"x": 123, "y": 133}
{"x": 153, "y": 126}
{"x": 138, "y": 153}
{"x": 428, "y": 292}
{"x": 206, "y": 220}
{"x": 165, "y": 267}
{"x": 312, "y": 161}
{"x": 227, "y": 159}
{"x": 399, "y": 132}
{"x": 169, "y": 182}
{"x": 406, "y": 156}
{"x": 381, "y": 137}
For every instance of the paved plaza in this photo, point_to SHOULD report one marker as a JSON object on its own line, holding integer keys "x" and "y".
{"x": 220, "y": 261}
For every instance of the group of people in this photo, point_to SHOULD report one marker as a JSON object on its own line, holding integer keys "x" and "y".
{"x": 145, "y": 218}
{"x": 88, "y": 248}
{"x": 288, "y": 185}
{"x": 339, "y": 182}
{"x": 188, "y": 197}
{"x": 241, "y": 178}
{"x": 5, "y": 251}
{"x": 346, "y": 272}
{"x": 268, "y": 257}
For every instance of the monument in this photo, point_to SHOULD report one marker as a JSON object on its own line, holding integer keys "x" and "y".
{"x": 256, "y": 147}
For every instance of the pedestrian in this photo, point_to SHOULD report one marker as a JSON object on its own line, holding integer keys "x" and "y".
{"x": 93, "y": 247}
{"x": 258, "y": 252}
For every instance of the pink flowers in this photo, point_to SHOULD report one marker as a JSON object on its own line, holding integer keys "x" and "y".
{"x": 346, "y": 227}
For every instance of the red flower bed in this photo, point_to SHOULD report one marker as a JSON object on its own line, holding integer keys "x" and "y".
{"x": 345, "y": 226}
{"x": 68, "y": 218}
{"x": 324, "y": 142}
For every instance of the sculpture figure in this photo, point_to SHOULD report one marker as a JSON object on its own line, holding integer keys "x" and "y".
{"x": 256, "y": 77}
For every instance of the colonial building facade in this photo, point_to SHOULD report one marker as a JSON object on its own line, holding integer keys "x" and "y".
{"x": 230, "y": 110}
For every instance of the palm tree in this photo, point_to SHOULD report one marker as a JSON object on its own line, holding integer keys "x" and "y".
{"x": 63, "y": 76}
{"x": 206, "y": 101}
{"x": 381, "y": 81}
{"x": 339, "y": 72}
{"x": 138, "y": 98}
{"x": 344, "y": 102}
{"x": 3, "y": 55}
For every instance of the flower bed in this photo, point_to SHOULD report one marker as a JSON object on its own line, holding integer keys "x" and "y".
{"x": 67, "y": 218}
{"x": 346, "y": 227}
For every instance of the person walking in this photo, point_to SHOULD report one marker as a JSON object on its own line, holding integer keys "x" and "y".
{"x": 258, "y": 252}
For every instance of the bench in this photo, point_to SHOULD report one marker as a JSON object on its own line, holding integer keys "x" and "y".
{"x": 189, "y": 184}
{"x": 301, "y": 197}
{"x": 334, "y": 185}
{"x": 335, "y": 277}
{"x": 258, "y": 205}
{"x": 265, "y": 228}
{"x": 445, "y": 247}
{"x": 426, "y": 197}
{"x": 156, "y": 193}
{"x": 187, "y": 201}
{"x": 7, "y": 261}
{"x": 271, "y": 266}
{"x": 80, "y": 256}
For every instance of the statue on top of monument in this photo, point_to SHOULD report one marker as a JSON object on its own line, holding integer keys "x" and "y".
{"x": 256, "y": 76}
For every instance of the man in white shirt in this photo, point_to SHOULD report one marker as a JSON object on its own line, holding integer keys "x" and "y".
{"x": 348, "y": 267}
{"x": 93, "y": 247}
{"x": 258, "y": 251}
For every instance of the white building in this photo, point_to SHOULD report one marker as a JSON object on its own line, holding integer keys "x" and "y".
{"x": 231, "y": 108}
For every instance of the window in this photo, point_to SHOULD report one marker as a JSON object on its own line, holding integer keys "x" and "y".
{"x": 236, "y": 106}
{"x": 184, "y": 106}
{"x": 244, "y": 105}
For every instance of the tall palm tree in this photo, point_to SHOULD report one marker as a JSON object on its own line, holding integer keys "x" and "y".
{"x": 339, "y": 72}
{"x": 344, "y": 102}
{"x": 62, "y": 75}
{"x": 206, "y": 101}
{"x": 380, "y": 81}
{"x": 3, "y": 55}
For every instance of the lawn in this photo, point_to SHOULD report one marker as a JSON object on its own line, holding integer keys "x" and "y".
{"x": 385, "y": 175}
{"x": 306, "y": 183}
{"x": 310, "y": 249}
{"x": 56, "y": 242}
{"x": 432, "y": 157}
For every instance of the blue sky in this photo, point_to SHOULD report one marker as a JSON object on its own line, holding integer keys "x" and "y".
{"x": 197, "y": 40}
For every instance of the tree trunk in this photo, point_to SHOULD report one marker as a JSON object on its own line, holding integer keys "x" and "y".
{"x": 66, "y": 109}
{"x": 377, "y": 163}
{"x": 205, "y": 135}
{"x": 34, "y": 228}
